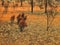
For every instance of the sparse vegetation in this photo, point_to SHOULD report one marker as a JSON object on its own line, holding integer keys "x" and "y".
{"x": 36, "y": 31}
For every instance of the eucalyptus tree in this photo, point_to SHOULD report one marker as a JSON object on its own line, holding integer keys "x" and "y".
{"x": 32, "y": 6}
{"x": 21, "y": 2}
{"x": 50, "y": 13}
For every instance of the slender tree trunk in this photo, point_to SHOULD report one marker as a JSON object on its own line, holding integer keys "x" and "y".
{"x": 21, "y": 3}
{"x": 47, "y": 14}
{"x": 45, "y": 6}
{"x": 32, "y": 6}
